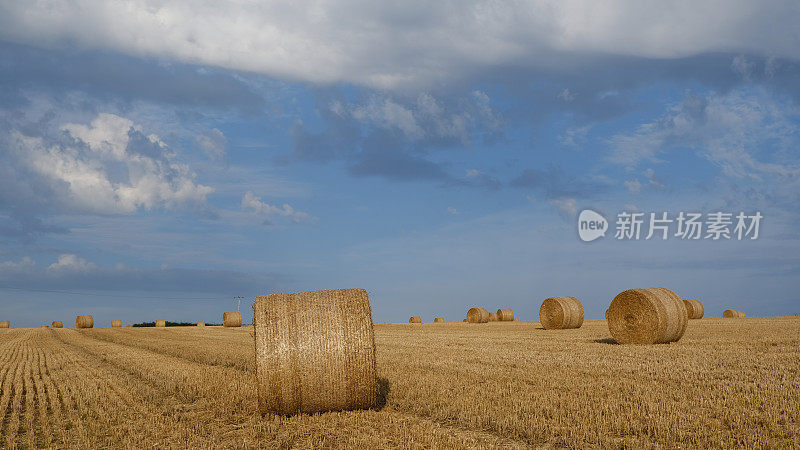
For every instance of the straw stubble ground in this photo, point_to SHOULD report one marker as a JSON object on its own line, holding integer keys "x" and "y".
{"x": 727, "y": 383}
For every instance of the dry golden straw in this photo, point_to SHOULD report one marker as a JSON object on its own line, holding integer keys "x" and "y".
{"x": 161, "y": 323}
{"x": 733, "y": 314}
{"x": 438, "y": 320}
{"x": 57, "y": 324}
{"x": 505, "y": 314}
{"x": 201, "y": 324}
{"x": 116, "y": 323}
{"x": 232, "y": 319}
{"x": 557, "y": 313}
{"x": 492, "y": 317}
{"x": 463, "y": 320}
{"x": 84, "y": 322}
{"x": 45, "y": 326}
{"x": 694, "y": 309}
{"x": 5, "y": 324}
{"x": 647, "y": 316}
{"x": 129, "y": 325}
{"x": 415, "y": 319}
{"x": 477, "y": 315}
{"x": 315, "y": 351}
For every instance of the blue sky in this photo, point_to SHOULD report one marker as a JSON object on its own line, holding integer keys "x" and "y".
{"x": 160, "y": 158}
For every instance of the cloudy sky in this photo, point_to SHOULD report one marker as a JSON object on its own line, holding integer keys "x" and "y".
{"x": 159, "y": 158}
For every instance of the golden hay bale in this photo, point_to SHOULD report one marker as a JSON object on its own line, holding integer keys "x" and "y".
{"x": 57, "y": 324}
{"x": 84, "y": 322}
{"x": 438, "y": 320}
{"x": 492, "y": 317}
{"x": 5, "y": 324}
{"x": 647, "y": 316}
{"x": 557, "y": 313}
{"x": 161, "y": 323}
{"x": 232, "y": 319}
{"x": 505, "y": 314}
{"x": 128, "y": 325}
{"x": 477, "y": 315}
{"x": 415, "y": 319}
{"x": 315, "y": 351}
{"x": 732, "y": 314}
{"x": 694, "y": 309}
{"x": 201, "y": 324}
{"x": 45, "y": 326}
{"x": 116, "y": 323}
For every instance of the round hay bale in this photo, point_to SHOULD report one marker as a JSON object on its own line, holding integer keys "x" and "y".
{"x": 129, "y": 325}
{"x": 232, "y": 319}
{"x": 116, "y": 323}
{"x": 732, "y": 314}
{"x": 606, "y": 314}
{"x": 45, "y": 326}
{"x": 5, "y": 324}
{"x": 492, "y": 317}
{"x": 558, "y": 313}
{"x": 505, "y": 314}
{"x": 57, "y": 324}
{"x": 415, "y": 319}
{"x": 438, "y": 320}
{"x": 477, "y": 315}
{"x": 84, "y": 322}
{"x": 315, "y": 352}
{"x": 647, "y": 316}
{"x": 161, "y": 323}
{"x": 694, "y": 309}
{"x": 201, "y": 324}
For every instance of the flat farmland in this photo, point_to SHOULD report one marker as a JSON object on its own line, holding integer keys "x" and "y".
{"x": 726, "y": 383}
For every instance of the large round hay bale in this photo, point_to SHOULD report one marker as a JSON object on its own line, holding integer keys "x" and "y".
{"x": 232, "y": 319}
{"x": 201, "y": 324}
{"x": 5, "y": 324}
{"x": 694, "y": 309}
{"x": 57, "y": 324}
{"x": 84, "y": 322}
{"x": 415, "y": 319}
{"x": 492, "y": 317}
{"x": 647, "y": 316}
{"x": 477, "y": 315}
{"x": 116, "y": 323}
{"x": 438, "y": 320}
{"x": 505, "y": 314}
{"x": 315, "y": 351}
{"x": 557, "y": 313}
{"x": 161, "y": 323}
{"x": 732, "y": 314}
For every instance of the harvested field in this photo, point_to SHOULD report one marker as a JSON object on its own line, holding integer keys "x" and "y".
{"x": 725, "y": 384}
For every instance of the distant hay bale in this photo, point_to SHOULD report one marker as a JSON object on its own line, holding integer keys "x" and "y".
{"x": 415, "y": 319}
{"x": 492, "y": 317}
{"x": 647, "y": 316}
{"x": 84, "y": 322}
{"x": 505, "y": 315}
{"x": 45, "y": 326}
{"x": 438, "y": 320}
{"x": 558, "y": 313}
{"x": 201, "y": 324}
{"x": 694, "y": 309}
{"x": 128, "y": 325}
{"x": 477, "y": 315}
{"x": 733, "y": 314}
{"x": 315, "y": 352}
{"x": 5, "y": 324}
{"x": 57, "y": 324}
{"x": 161, "y": 323}
{"x": 116, "y": 323}
{"x": 232, "y": 319}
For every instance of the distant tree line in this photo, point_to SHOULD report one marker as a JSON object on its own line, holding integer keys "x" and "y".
{"x": 174, "y": 324}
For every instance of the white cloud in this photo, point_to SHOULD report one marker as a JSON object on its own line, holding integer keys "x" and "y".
{"x": 213, "y": 143}
{"x": 451, "y": 210}
{"x": 567, "y": 207}
{"x": 112, "y": 167}
{"x": 391, "y": 44}
{"x": 72, "y": 263}
{"x": 253, "y": 203}
{"x": 634, "y": 186}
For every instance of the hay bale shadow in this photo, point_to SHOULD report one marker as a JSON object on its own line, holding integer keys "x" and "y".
{"x": 610, "y": 341}
{"x": 383, "y": 392}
